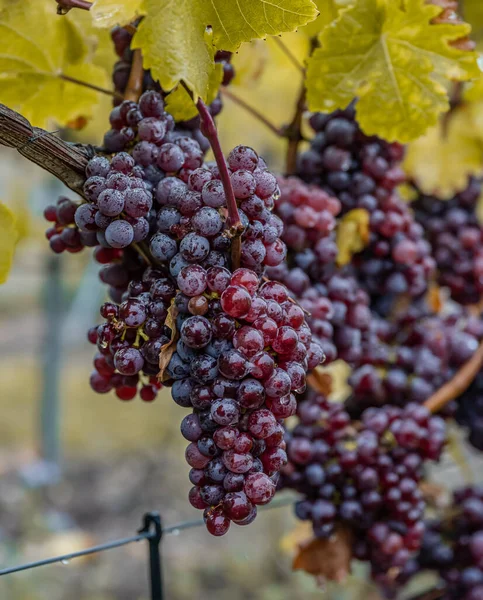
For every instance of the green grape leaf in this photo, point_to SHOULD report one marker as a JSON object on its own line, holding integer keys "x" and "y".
{"x": 390, "y": 56}
{"x": 8, "y": 240}
{"x": 179, "y": 103}
{"x": 177, "y": 39}
{"x": 108, "y": 13}
{"x": 39, "y": 52}
{"x": 328, "y": 12}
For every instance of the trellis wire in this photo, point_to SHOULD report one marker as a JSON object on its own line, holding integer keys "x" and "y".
{"x": 152, "y": 531}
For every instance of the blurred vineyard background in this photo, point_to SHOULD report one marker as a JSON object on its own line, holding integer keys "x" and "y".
{"x": 117, "y": 460}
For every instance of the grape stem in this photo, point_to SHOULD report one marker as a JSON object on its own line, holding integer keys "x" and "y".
{"x": 456, "y": 386}
{"x": 288, "y": 53}
{"x": 134, "y": 87}
{"x": 254, "y": 112}
{"x": 65, "y": 5}
{"x": 294, "y": 134}
{"x": 208, "y": 129}
{"x": 91, "y": 86}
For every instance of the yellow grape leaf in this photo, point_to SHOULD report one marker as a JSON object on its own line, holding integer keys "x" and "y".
{"x": 179, "y": 103}
{"x": 473, "y": 13}
{"x": 352, "y": 234}
{"x": 390, "y": 56}
{"x": 100, "y": 49}
{"x": 176, "y": 45}
{"x": 441, "y": 161}
{"x": 328, "y": 13}
{"x": 39, "y": 50}
{"x": 108, "y": 13}
{"x": 8, "y": 239}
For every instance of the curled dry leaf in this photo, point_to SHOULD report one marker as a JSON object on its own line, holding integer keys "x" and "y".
{"x": 168, "y": 349}
{"x": 436, "y": 496}
{"x": 320, "y": 380}
{"x": 352, "y": 234}
{"x": 326, "y": 559}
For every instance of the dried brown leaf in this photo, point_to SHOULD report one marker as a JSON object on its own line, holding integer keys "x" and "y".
{"x": 326, "y": 559}
{"x": 168, "y": 349}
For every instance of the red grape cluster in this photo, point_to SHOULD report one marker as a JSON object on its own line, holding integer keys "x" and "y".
{"x": 453, "y": 547}
{"x": 129, "y": 342}
{"x": 456, "y": 237}
{"x": 363, "y": 172}
{"x": 409, "y": 359}
{"x": 337, "y": 306}
{"x": 243, "y": 353}
{"x": 364, "y": 478}
{"x": 64, "y": 233}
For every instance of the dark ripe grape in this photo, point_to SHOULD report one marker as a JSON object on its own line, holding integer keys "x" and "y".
{"x": 247, "y": 279}
{"x": 151, "y": 104}
{"x": 218, "y": 279}
{"x": 122, "y": 162}
{"x": 192, "y": 280}
{"x": 194, "y": 247}
{"x": 170, "y": 158}
{"x": 128, "y": 361}
{"x": 198, "y": 178}
{"x": 204, "y": 368}
{"x": 119, "y": 234}
{"x": 225, "y": 412}
{"x": 243, "y": 183}
{"x": 163, "y": 247}
{"x": 216, "y": 522}
{"x": 248, "y": 340}
{"x": 237, "y": 462}
{"x": 190, "y": 428}
{"x": 85, "y": 217}
{"x": 223, "y": 326}
{"x": 98, "y": 166}
{"x": 237, "y": 506}
{"x": 212, "y": 495}
{"x": 213, "y": 194}
{"x": 196, "y": 332}
{"x": 152, "y": 130}
{"x": 207, "y": 222}
{"x": 233, "y": 365}
{"x": 259, "y": 488}
{"x": 236, "y": 301}
{"x": 262, "y": 365}
{"x": 93, "y": 187}
{"x": 65, "y": 211}
{"x": 110, "y": 202}
{"x": 100, "y": 383}
{"x": 262, "y": 423}
{"x": 243, "y": 157}
{"x": 133, "y": 312}
{"x": 138, "y": 202}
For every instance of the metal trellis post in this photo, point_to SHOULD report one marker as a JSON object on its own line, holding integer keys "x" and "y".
{"x": 152, "y": 524}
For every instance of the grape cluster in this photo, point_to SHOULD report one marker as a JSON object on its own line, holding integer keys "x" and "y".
{"x": 456, "y": 239}
{"x": 119, "y": 202}
{"x": 129, "y": 342}
{"x": 364, "y": 478}
{"x": 409, "y": 359}
{"x": 191, "y": 223}
{"x": 453, "y": 547}
{"x": 243, "y": 353}
{"x": 363, "y": 172}
{"x": 64, "y": 233}
{"x": 337, "y": 307}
